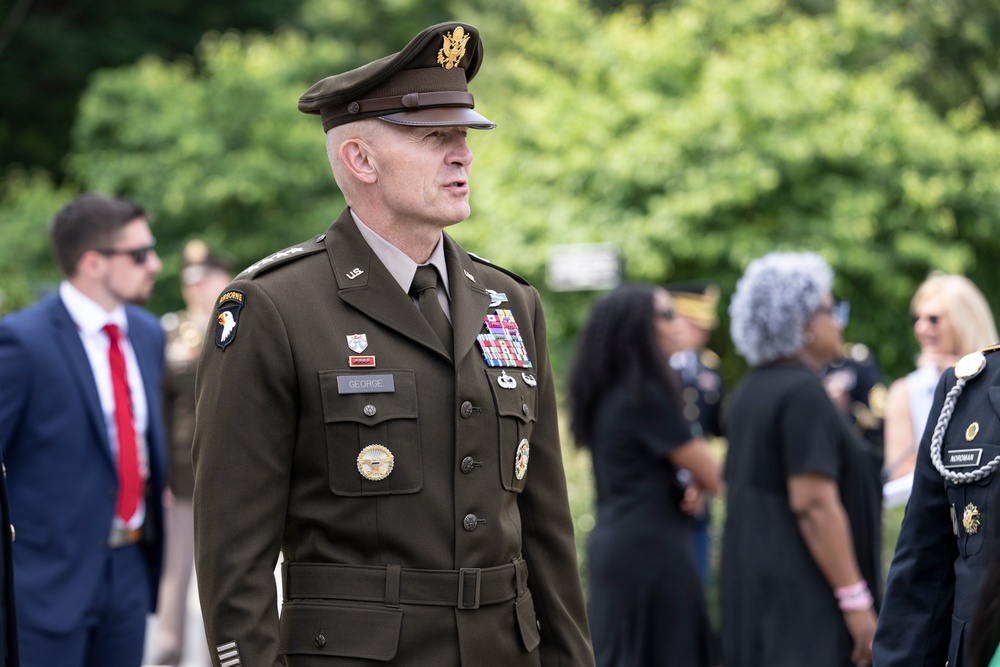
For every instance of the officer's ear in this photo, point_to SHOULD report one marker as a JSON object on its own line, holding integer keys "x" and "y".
{"x": 357, "y": 156}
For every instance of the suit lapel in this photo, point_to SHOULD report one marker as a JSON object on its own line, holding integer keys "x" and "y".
{"x": 71, "y": 347}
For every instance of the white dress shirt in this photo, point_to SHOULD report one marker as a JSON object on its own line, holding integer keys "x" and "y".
{"x": 90, "y": 319}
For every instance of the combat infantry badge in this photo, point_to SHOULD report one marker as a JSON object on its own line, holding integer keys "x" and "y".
{"x": 227, "y": 317}
{"x": 454, "y": 48}
{"x": 970, "y": 519}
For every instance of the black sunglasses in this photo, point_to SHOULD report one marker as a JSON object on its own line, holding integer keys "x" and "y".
{"x": 138, "y": 255}
{"x": 933, "y": 319}
{"x": 665, "y": 313}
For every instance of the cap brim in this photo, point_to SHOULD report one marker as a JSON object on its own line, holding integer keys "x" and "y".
{"x": 441, "y": 117}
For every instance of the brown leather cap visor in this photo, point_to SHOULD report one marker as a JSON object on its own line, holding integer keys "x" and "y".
{"x": 441, "y": 117}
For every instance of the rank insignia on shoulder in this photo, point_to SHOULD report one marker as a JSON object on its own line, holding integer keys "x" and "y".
{"x": 503, "y": 345}
{"x": 228, "y": 317}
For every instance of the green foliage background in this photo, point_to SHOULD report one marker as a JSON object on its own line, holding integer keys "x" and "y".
{"x": 694, "y": 135}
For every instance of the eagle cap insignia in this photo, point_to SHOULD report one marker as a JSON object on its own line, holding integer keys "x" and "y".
{"x": 454, "y": 48}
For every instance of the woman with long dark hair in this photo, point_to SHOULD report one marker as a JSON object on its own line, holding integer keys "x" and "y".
{"x": 646, "y": 605}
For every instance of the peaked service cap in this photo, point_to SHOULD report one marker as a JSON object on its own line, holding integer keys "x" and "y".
{"x": 425, "y": 84}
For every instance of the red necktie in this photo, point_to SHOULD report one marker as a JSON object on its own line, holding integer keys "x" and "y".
{"x": 129, "y": 479}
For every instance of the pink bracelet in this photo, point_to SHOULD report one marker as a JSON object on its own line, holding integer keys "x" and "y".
{"x": 859, "y": 603}
{"x": 855, "y": 597}
{"x": 852, "y": 590}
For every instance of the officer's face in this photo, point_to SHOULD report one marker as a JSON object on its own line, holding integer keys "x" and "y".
{"x": 423, "y": 174}
{"x": 933, "y": 328}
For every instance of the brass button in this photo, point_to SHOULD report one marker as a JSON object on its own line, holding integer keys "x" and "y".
{"x": 466, "y": 410}
{"x": 468, "y": 464}
{"x": 320, "y": 641}
{"x": 471, "y": 522}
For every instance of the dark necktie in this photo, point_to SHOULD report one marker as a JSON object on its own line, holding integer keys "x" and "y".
{"x": 424, "y": 289}
{"x": 129, "y": 479}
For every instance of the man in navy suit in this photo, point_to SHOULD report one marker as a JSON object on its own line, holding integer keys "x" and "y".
{"x": 80, "y": 434}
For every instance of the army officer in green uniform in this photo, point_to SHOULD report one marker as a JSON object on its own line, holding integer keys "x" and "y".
{"x": 377, "y": 405}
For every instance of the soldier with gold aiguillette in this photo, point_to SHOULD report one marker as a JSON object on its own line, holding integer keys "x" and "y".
{"x": 949, "y": 535}
{"x": 377, "y": 405}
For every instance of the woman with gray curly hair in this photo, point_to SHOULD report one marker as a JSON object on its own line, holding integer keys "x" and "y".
{"x": 800, "y": 561}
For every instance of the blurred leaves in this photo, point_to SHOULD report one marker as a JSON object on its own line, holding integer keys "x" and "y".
{"x": 695, "y": 136}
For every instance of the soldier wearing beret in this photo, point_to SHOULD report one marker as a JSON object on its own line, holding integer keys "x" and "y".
{"x": 949, "y": 537}
{"x": 203, "y": 276}
{"x": 377, "y": 405}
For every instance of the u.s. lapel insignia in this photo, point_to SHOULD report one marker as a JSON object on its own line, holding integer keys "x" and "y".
{"x": 972, "y": 431}
{"x": 469, "y": 276}
{"x": 971, "y": 518}
{"x": 529, "y": 379}
{"x": 453, "y": 51}
{"x": 375, "y": 462}
{"x": 503, "y": 345}
{"x": 357, "y": 342}
{"x": 353, "y": 273}
{"x": 521, "y": 459}
{"x": 228, "y": 317}
{"x": 506, "y": 381}
{"x": 496, "y": 298}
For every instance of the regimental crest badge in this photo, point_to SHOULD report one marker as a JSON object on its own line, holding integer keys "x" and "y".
{"x": 227, "y": 312}
{"x": 357, "y": 342}
{"x": 971, "y": 518}
{"x": 454, "y": 48}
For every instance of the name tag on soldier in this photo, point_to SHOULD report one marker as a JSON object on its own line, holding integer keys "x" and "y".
{"x": 365, "y": 384}
{"x": 962, "y": 458}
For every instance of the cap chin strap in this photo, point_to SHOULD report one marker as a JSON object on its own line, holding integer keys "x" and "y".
{"x": 413, "y": 101}
{"x": 938, "y": 438}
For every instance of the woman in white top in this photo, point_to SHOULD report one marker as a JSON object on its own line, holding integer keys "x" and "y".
{"x": 951, "y": 318}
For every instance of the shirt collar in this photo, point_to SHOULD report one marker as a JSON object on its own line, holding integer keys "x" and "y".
{"x": 87, "y": 314}
{"x": 399, "y": 265}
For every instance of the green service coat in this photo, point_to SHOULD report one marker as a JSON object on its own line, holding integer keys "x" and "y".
{"x": 276, "y": 467}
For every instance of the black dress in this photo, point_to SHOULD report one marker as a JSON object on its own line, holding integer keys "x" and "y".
{"x": 777, "y": 608}
{"x": 646, "y": 603}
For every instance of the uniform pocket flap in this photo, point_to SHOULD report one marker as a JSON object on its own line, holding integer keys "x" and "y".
{"x": 367, "y": 397}
{"x": 527, "y": 622}
{"x": 348, "y": 631}
{"x": 513, "y": 396}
